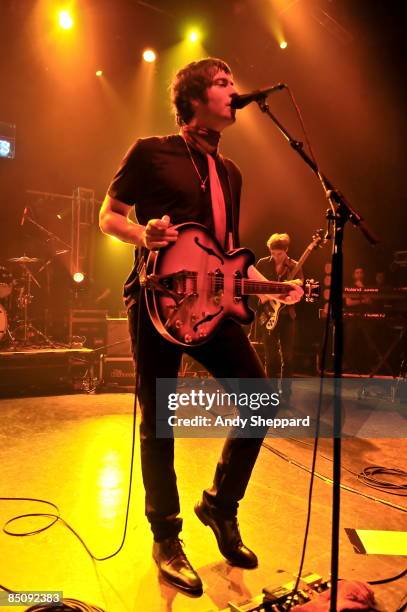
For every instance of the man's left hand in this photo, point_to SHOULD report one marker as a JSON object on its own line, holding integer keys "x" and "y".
{"x": 295, "y": 294}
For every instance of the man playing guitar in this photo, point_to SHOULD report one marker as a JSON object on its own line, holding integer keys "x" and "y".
{"x": 279, "y": 339}
{"x": 171, "y": 180}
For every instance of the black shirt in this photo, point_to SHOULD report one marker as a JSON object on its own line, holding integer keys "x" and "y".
{"x": 158, "y": 178}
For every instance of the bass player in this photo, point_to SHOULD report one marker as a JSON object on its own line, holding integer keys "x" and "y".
{"x": 279, "y": 342}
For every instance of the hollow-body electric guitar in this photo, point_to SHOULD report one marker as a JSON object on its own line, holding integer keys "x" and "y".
{"x": 192, "y": 285}
{"x": 271, "y": 310}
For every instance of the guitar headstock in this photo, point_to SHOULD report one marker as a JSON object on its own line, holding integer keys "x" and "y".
{"x": 312, "y": 290}
{"x": 318, "y": 239}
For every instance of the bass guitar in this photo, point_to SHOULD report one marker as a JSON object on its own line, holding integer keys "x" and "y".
{"x": 192, "y": 285}
{"x": 271, "y": 310}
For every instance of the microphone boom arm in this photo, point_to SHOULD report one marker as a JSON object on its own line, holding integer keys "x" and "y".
{"x": 331, "y": 192}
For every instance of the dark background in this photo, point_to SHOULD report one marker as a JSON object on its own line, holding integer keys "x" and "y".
{"x": 345, "y": 63}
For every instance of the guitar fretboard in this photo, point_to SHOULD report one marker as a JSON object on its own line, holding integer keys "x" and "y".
{"x": 250, "y": 287}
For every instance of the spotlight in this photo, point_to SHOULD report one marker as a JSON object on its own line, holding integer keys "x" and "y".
{"x": 149, "y": 55}
{"x": 283, "y": 44}
{"x": 7, "y": 139}
{"x": 99, "y": 73}
{"x": 65, "y": 20}
{"x": 194, "y": 35}
{"x": 78, "y": 277}
{"x": 5, "y": 148}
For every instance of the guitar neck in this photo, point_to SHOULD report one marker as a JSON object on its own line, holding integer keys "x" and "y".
{"x": 253, "y": 287}
{"x": 299, "y": 263}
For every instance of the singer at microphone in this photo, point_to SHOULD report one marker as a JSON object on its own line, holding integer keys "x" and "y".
{"x": 257, "y": 95}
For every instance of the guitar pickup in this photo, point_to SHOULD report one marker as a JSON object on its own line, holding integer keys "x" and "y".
{"x": 157, "y": 282}
{"x": 175, "y": 285}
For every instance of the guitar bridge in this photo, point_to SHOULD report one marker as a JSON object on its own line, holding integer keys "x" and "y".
{"x": 177, "y": 285}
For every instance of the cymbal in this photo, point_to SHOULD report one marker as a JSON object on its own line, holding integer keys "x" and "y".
{"x": 24, "y": 260}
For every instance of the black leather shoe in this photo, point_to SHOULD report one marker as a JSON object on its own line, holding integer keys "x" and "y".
{"x": 228, "y": 536}
{"x": 174, "y": 567}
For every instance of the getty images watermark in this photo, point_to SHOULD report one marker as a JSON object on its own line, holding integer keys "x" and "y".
{"x": 207, "y": 408}
{"x": 216, "y": 408}
{"x": 217, "y": 400}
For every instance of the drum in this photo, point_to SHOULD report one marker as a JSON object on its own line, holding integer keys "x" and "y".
{"x": 3, "y": 323}
{"x": 6, "y": 282}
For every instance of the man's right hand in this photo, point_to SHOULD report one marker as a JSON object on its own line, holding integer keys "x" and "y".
{"x": 158, "y": 233}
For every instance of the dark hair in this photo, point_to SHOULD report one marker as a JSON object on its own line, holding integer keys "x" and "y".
{"x": 190, "y": 83}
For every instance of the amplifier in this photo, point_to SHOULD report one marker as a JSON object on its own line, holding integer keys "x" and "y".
{"x": 89, "y": 326}
{"x": 118, "y": 373}
{"x": 190, "y": 368}
{"x": 118, "y": 337}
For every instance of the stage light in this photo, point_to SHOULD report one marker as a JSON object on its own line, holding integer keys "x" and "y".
{"x": 194, "y": 35}
{"x": 7, "y": 139}
{"x": 283, "y": 44}
{"x": 99, "y": 73}
{"x": 65, "y": 20}
{"x": 149, "y": 55}
{"x": 5, "y": 148}
{"x": 78, "y": 277}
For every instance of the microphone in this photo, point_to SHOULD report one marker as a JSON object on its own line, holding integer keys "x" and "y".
{"x": 25, "y": 213}
{"x": 255, "y": 96}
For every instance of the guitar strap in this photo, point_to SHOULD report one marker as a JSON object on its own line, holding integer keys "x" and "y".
{"x": 218, "y": 202}
{"x": 234, "y": 198}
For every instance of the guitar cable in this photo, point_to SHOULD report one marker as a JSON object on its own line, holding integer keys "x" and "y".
{"x": 324, "y": 352}
{"x": 368, "y": 476}
{"x": 314, "y": 452}
{"x": 56, "y": 517}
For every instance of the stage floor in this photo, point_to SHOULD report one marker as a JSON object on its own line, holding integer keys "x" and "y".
{"x": 74, "y": 451}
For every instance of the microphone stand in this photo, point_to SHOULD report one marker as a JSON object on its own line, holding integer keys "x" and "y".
{"x": 339, "y": 213}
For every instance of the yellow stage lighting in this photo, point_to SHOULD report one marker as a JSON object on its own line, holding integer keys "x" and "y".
{"x": 194, "y": 35}
{"x": 149, "y": 55}
{"x": 78, "y": 277}
{"x": 99, "y": 73}
{"x": 283, "y": 44}
{"x": 65, "y": 20}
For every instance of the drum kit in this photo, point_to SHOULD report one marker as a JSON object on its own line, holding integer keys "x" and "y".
{"x": 16, "y": 326}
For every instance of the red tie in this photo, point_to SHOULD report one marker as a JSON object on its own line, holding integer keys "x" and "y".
{"x": 218, "y": 202}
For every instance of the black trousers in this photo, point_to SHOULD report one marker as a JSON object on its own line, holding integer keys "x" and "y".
{"x": 228, "y": 355}
{"x": 279, "y": 352}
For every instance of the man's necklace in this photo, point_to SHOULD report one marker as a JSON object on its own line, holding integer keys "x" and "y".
{"x": 202, "y": 181}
